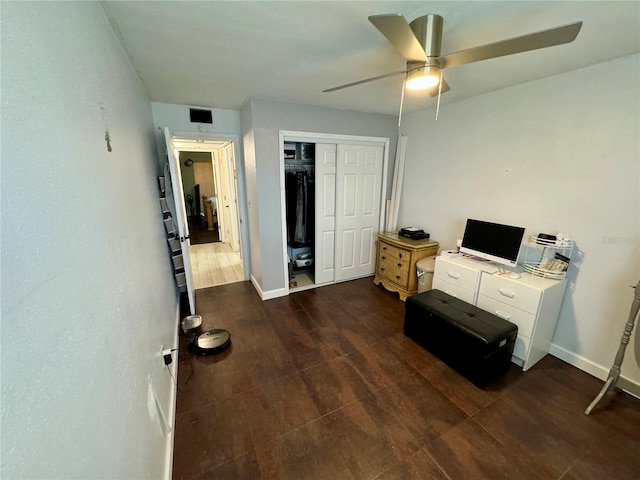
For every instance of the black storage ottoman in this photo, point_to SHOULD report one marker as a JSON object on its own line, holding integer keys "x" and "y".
{"x": 476, "y": 343}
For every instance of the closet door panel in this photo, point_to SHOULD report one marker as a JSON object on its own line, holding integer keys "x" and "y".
{"x": 349, "y": 196}
{"x": 369, "y": 195}
{"x": 358, "y": 193}
{"x": 367, "y": 254}
{"x": 325, "y": 219}
{"x": 347, "y": 258}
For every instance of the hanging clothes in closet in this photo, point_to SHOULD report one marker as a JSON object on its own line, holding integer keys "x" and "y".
{"x": 300, "y": 200}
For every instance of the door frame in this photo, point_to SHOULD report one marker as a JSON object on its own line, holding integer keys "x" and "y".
{"x": 314, "y": 137}
{"x": 239, "y": 185}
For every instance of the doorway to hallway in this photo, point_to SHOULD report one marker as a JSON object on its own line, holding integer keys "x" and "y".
{"x": 208, "y": 174}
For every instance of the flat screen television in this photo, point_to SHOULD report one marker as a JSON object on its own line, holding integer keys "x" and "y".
{"x": 492, "y": 241}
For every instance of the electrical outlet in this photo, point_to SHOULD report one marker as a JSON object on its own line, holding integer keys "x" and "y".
{"x": 166, "y": 355}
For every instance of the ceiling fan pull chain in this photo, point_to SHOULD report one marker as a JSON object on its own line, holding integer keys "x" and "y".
{"x": 401, "y": 103}
{"x": 439, "y": 94}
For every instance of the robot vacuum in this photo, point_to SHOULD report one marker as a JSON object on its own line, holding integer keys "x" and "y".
{"x": 210, "y": 342}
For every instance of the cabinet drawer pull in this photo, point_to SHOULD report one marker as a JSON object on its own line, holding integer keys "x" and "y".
{"x": 398, "y": 277}
{"x": 382, "y": 269}
{"x": 383, "y": 257}
{"x": 400, "y": 265}
{"x": 399, "y": 255}
{"x": 384, "y": 248}
{"x": 455, "y": 276}
{"x": 502, "y": 315}
{"x": 507, "y": 293}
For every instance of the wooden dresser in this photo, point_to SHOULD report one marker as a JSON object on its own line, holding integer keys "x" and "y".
{"x": 396, "y": 262}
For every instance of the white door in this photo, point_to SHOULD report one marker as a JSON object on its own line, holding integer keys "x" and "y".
{"x": 233, "y": 198}
{"x": 224, "y": 197}
{"x": 325, "y": 207}
{"x": 181, "y": 217}
{"x": 358, "y": 193}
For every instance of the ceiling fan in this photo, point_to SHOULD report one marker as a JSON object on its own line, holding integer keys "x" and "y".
{"x": 419, "y": 42}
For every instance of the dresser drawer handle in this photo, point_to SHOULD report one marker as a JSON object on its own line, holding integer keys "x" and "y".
{"x": 384, "y": 248}
{"x": 506, "y": 293}
{"x": 502, "y": 315}
{"x": 382, "y": 269}
{"x": 383, "y": 257}
{"x": 399, "y": 255}
{"x": 398, "y": 277}
{"x": 455, "y": 276}
{"x": 400, "y": 265}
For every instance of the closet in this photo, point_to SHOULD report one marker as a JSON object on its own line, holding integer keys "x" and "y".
{"x": 299, "y": 166}
{"x": 333, "y": 195}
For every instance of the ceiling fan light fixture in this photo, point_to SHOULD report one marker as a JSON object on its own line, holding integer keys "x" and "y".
{"x": 423, "y": 78}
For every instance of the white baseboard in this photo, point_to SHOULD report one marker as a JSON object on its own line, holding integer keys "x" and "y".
{"x": 281, "y": 292}
{"x": 593, "y": 368}
{"x": 168, "y": 470}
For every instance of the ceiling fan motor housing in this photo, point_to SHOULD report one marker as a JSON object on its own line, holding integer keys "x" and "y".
{"x": 428, "y": 31}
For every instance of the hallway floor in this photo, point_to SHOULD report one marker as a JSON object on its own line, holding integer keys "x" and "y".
{"x": 215, "y": 264}
{"x": 322, "y": 384}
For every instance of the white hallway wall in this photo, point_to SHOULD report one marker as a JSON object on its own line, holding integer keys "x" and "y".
{"x": 88, "y": 296}
{"x": 560, "y": 154}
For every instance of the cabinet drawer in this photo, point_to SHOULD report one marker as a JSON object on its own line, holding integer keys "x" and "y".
{"x": 460, "y": 275}
{"x": 522, "y": 319}
{"x": 393, "y": 274}
{"x": 511, "y": 292}
{"x": 453, "y": 290}
{"x": 391, "y": 253}
{"x": 521, "y": 348}
{"x": 392, "y": 261}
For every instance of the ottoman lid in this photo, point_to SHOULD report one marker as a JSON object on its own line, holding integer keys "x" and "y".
{"x": 480, "y": 324}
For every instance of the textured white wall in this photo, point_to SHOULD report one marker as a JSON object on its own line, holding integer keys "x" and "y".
{"x": 88, "y": 296}
{"x": 248, "y": 143}
{"x": 176, "y": 117}
{"x": 560, "y": 154}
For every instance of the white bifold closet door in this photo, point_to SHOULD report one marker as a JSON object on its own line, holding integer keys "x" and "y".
{"x": 325, "y": 179}
{"x": 348, "y": 195}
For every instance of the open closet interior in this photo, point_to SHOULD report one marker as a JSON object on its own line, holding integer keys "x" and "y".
{"x": 299, "y": 165}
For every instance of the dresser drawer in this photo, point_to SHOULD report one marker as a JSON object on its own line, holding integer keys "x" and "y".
{"x": 460, "y": 275}
{"x": 384, "y": 258}
{"x": 392, "y": 273}
{"x": 391, "y": 253}
{"x": 511, "y": 292}
{"x": 453, "y": 290}
{"x": 522, "y": 319}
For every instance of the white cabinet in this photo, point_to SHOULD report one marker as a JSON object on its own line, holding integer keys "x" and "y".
{"x": 531, "y": 302}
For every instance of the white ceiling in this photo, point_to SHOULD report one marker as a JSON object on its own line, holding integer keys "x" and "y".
{"x": 219, "y": 54}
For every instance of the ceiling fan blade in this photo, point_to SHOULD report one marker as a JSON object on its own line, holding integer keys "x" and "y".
{"x": 399, "y": 33}
{"x": 366, "y": 80}
{"x": 524, "y": 43}
{"x": 433, "y": 91}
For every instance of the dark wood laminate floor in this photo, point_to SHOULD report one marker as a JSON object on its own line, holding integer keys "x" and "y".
{"x": 323, "y": 385}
